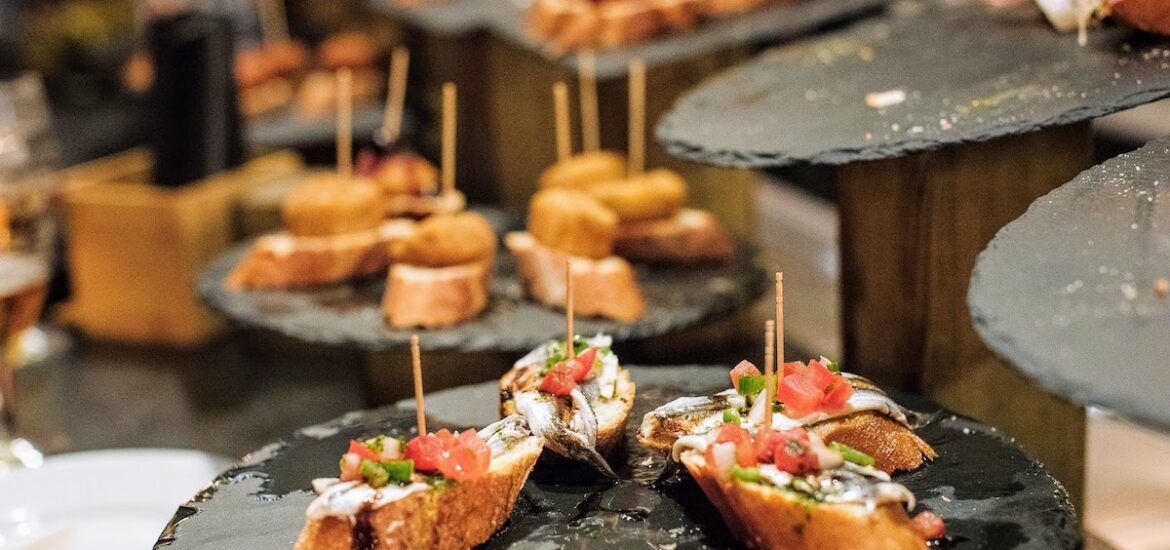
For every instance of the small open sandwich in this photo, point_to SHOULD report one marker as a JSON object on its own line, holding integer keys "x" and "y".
{"x": 838, "y": 407}
{"x": 579, "y": 406}
{"x": 789, "y": 489}
{"x": 440, "y": 491}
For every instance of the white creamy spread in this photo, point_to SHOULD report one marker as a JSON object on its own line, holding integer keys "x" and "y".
{"x": 346, "y": 498}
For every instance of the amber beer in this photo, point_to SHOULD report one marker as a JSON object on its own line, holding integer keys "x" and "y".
{"x": 22, "y": 293}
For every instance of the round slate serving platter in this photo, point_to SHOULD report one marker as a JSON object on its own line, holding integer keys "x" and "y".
{"x": 992, "y": 495}
{"x": 768, "y": 24}
{"x": 1067, "y": 292}
{"x": 940, "y": 72}
{"x": 350, "y": 314}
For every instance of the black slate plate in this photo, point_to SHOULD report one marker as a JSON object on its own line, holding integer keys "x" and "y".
{"x": 442, "y": 17}
{"x": 350, "y": 314}
{"x": 1066, "y": 292}
{"x": 969, "y": 72}
{"x": 285, "y": 129}
{"x": 992, "y": 495}
{"x": 767, "y": 25}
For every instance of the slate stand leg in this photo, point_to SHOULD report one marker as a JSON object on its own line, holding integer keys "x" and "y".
{"x": 911, "y": 229}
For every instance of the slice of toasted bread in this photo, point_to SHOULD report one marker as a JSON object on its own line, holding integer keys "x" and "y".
{"x": 456, "y": 516}
{"x": 285, "y": 261}
{"x": 763, "y": 516}
{"x": 613, "y": 413}
{"x": 436, "y": 296}
{"x": 893, "y": 446}
{"x": 689, "y": 236}
{"x": 605, "y": 287}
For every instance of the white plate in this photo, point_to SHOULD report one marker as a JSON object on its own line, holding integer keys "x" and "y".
{"x": 100, "y": 499}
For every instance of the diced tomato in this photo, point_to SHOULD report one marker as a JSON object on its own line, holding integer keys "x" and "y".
{"x": 584, "y": 364}
{"x": 794, "y": 367}
{"x": 560, "y": 381}
{"x": 744, "y": 368}
{"x": 799, "y": 395}
{"x": 820, "y": 375}
{"x": 470, "y": 456}
{"x": 791, "y": 452}
{"x": 426, "y": 451}
{"x": 351, "y": 467}
{"x": 745, "y": 454}
{"x": 929, "y": 526}
{"x": 456, "y": 457}
{"x": 358, "y": 448}
{"x": 838, "y": 395}
{"x": 763, "y": 443}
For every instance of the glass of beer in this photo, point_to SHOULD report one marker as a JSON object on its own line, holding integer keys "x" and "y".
{"x": 27, "y": 238}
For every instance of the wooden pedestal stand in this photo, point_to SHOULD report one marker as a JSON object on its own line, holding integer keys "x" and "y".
{"x": 911, "y": 229}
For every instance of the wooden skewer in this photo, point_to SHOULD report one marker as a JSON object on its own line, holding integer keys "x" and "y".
{"x": 395, "y": 95}
{"x": 779, "y": 334}
{"x": 637, "y": 120}
{"x": 561, "y": 120}
{"x": 416, "y": 364}
{"x": 590, "y": 125}
{"x": 570, "y": 352}
{"x": 448, "y": 138}
{"x": 769, "y": 370}
{"x": 345, "y": 123}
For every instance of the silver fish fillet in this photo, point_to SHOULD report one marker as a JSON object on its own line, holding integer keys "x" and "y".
{"x": 568, "y": 429}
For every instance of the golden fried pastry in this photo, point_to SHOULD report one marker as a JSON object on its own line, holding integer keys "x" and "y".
{"x": 347, "y": 49}
{"x": 654, "y": 195}
{"x": 407, "y": 173}
{"x": 446, "y": 240}
{"x": 572, "y": 222}
{"x": 328, "y": 204}
{"x": 583, "y": 170}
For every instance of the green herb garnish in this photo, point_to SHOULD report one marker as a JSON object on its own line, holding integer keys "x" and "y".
{"x": 751, "y": 384}
{"x": 556, "y": 353}
{"x": 833, "y": 366}
{"x": 380, "y": 474}
{"x": 731, "y": 416}
{"x": 374, "y": 474}
{"x": 746, "y": 474}
{"x": 852, "y": 455}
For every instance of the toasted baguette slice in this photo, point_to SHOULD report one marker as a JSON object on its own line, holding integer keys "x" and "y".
{"x": 436, "y": 296}
{"x": 763, "y": 516}
{"x": 690, "y": 236}
{"x": 458, "y": 516}
{"x": 893, "y": 446}
{"x": 613, "y": 413}
{"x": 605, "y": 287}
{"x": 285, "y": 261}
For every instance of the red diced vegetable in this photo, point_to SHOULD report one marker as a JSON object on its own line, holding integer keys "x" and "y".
{"x": 799, "y": 395}
{"x": 351, "y": 467}
{"x": 744, "y": 368}
{"x": 838, "y": 395}
{"x": 929, "y": 526}
{"x": 358, "y": 448}
{"x": 561, "y": 380}
{"x": 456, "y": 457}
{"x": 791, "y": 452}
{"x": 745, "y": 454}
{"x": 584, "y": 361}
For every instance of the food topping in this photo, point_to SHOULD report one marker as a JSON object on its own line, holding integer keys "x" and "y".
{"x": 744, "y": 368}
{"x": 806, "y": 389}
{"x": 572, "y": 222}
{"x": 376, "y": 461}
{"x": 455, "y": 457}
{"x": 929, "y": 526}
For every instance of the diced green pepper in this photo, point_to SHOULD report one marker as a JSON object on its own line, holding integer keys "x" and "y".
{"x": 852, "y": 455}
{"x": 751, "y": 384}
{"x": 400, "y": 471}
{"x": 731, "y": 416}
{"x": 746, "y": 474}
{"x": 374, "y": 474}
{"x": 375, "y": 444}
{"x": 833, "y": 366}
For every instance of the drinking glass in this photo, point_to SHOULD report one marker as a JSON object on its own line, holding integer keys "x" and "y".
{"x": 28, "y": 155}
